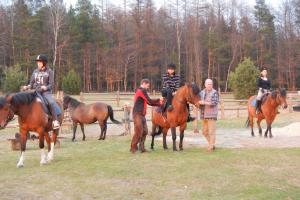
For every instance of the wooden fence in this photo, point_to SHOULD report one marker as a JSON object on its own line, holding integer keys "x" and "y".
{"x": 228, "y": 107}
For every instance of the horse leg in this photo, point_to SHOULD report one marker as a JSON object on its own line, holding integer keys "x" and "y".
{"x": 23, "y": 135}
{"x": 251, "y": 125}
{"x": 182, "y": 128}
{"x": 270, "y": 130}
{"x": 50, "y": 156}
{"x": 41, "y": 145}
{"x": 101, "y": 124}
{"x": 266, "y": 132}
{"x": 82, "y": 130}
{"x": 165, "y": 132}
{"x": 104, "y": 129}
{"x": 153, "y": 133}
{"x": 259, "y": 126}
{"x": 74, "y": 130}
{"x": 173, "y": 130}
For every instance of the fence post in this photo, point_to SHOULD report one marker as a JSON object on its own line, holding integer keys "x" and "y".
{"x": 238, "y": 112}
{"x": 127, "y": 111}
{"x": 118, "y": 98}
{"x": 222, "y": 109}
{"x": 81, "y": 97}
{"x": 195, "y": 123}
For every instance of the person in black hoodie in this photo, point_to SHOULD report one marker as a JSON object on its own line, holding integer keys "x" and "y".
{"x": 170, "y": 85}
{"x": 141, "y": 100}
{"x": 264, "y": 86}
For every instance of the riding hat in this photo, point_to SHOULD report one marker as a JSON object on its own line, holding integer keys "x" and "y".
{"x": 42, "y": 58}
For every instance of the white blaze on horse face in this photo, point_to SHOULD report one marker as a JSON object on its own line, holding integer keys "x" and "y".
{"x": 51, "y": 153}
{"x": 43, "y": 157}
{"x": 21, "y": 160}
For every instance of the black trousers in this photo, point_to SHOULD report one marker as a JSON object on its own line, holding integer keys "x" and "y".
{"x": 167, "y": 93}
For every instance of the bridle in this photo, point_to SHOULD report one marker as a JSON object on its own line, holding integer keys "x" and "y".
{"x": 188, "y": 99}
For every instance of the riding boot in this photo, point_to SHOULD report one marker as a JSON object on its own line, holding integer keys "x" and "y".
{"x": 169, "y": 100}
{"x": 189, "y": 118}
{"x": 258, "y": 106}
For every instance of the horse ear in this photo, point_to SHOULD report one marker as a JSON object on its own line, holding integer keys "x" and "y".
{"x": 274, "y": 94}
{"x": 9, "y": 98}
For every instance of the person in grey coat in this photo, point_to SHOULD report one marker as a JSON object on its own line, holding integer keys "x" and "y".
{"x": 209, "y": 113}
{"x": 42, "y": 79}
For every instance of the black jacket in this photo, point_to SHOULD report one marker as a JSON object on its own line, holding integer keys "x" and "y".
{"x": 264, "y": 84}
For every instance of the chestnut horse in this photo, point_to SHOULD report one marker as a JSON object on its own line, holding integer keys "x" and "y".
{"x": 188, "y": 93}
{"x": 87, "y": 114}
{"x": 269, "y": 110}
{"x": 31, "y": 117}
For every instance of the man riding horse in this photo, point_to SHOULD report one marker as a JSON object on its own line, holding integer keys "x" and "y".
{"x": 264, "y": 86}
{"x": 171, "y": 83}
{"x": 42, "y": 80}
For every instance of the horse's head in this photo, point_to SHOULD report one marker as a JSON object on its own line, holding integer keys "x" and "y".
{"x": 66, "y": 102}
{"x": 6, "y": 112}
{"x": 192, "y": 94}
{"x": 280, "y": 97}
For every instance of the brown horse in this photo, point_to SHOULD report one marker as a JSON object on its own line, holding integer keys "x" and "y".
{"x": 269, "y": 110}
{"x": 31, "y": 117}
{"x": 88, "y": 114}
{"x": 188, "y": 93}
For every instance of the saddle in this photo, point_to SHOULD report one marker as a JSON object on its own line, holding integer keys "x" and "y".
{"x": 45, "y": 105}
{"x": 162, "y": 109}
{"x": 263, "y": 99}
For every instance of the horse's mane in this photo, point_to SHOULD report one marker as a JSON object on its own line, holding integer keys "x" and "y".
{"x": 23, "y": 98}
{"x": 20, "y": 98}
{"x": 73, "y": 102}
{"x": 196, "y": 90}
{"x": 2, "y": 102}
{"x": 281, "y": 91}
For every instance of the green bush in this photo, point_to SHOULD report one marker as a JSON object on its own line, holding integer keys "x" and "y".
{"x": 71, "y": 84}
{"x": 243, "y": 80}
{"x": 14, "y": 78}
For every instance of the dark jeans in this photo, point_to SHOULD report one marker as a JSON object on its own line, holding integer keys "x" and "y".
{"x": 167, "y": 93}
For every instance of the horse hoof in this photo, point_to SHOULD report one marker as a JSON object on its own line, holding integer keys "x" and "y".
{"x": 174, "y": 149}
{"x": 180, "y": 149}
{"x": 20, "y": 165}
{"x": 43, "y": 163}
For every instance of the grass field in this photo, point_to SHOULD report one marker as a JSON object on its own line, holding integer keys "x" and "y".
{"x": 106, "y": 170}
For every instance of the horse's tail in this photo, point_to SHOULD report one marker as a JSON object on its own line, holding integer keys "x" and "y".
{"x": 111, "y": 115}
{"x": 247, "y": 122}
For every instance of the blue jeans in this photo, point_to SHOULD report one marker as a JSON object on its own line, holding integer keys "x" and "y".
{"x": 52, "y": 105}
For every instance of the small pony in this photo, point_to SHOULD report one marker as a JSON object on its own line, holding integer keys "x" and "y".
{"x": 269, "y": 110}
{"x": 88, "y": 114}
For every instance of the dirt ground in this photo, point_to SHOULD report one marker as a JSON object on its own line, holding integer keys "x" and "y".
{"x": 283, "y": 137}
{"x": 287, "y": 136}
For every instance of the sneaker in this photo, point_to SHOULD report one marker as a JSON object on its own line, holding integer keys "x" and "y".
{"x": 55, "y": 124}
